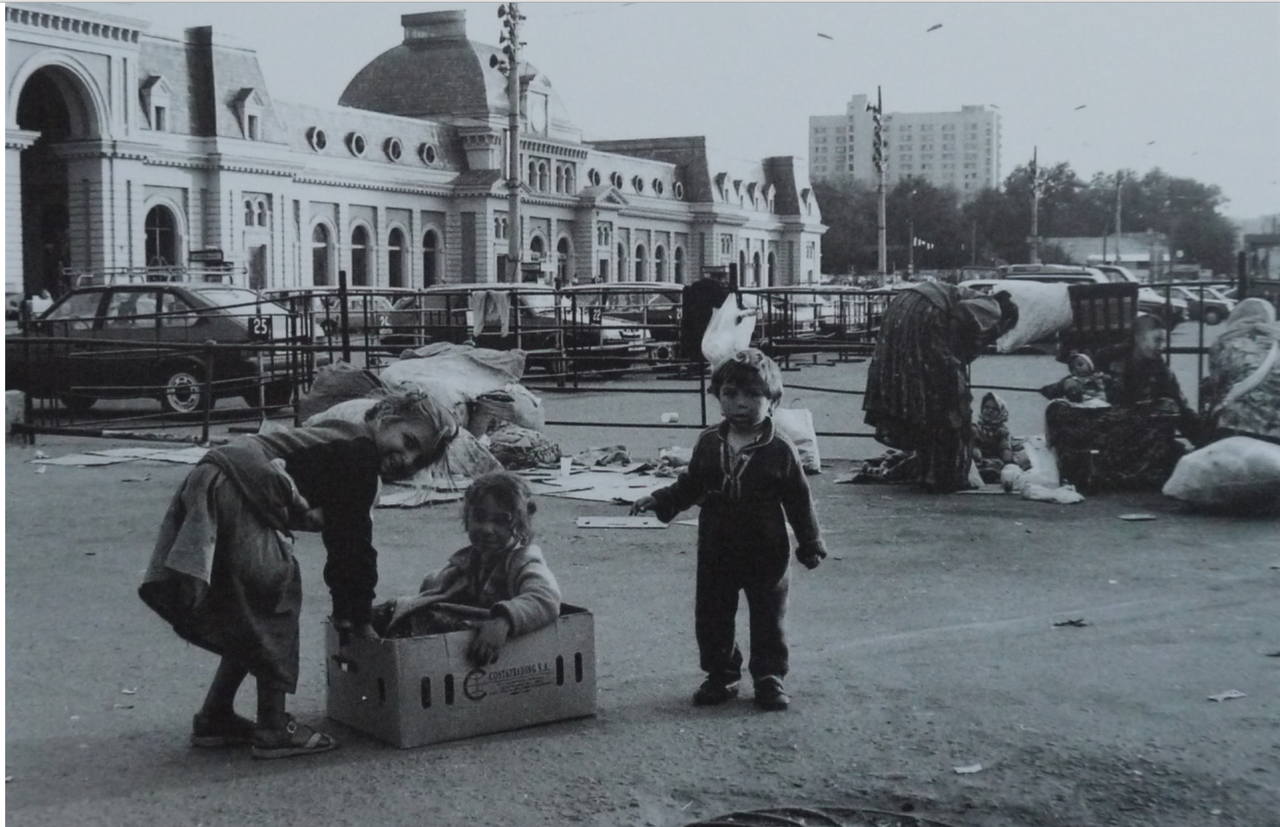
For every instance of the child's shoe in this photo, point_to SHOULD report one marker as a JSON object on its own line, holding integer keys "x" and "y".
{"x": 770, "y": 695}
{"x": 713, "y": 693}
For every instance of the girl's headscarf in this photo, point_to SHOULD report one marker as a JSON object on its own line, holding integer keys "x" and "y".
{"x": 1001, "y": 417}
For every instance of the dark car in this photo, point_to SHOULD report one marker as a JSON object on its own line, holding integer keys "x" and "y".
{"x": 556, "y": 336}
{"x": 1207, "y": 304}
{"x": 129, "y": 338}
{"x": 651, "y": 305}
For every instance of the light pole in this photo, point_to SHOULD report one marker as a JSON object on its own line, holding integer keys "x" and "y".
{"x": 882, "y": 245}
{"x": 1035, "y": 208}
{"x": 510, "y": 38}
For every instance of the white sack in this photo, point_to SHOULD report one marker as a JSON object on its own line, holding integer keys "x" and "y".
{"x": 1043, "y": 310}
{"x": 1234, "y": 474}
{"x": 796, "y": 424}
{"x": 728, "y": 332}
{"x": 1044, "y": 463}
{"x": 454, "y": 375}
{"x": 514, "y": 403}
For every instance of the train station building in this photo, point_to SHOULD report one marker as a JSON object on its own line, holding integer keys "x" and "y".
{"x": 128, "y": 148}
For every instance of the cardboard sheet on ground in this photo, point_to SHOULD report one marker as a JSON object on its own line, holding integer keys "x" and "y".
{"x": 601, "y": 486}
{"x": 81, "y": 460}
{"x": 644, "y": 521}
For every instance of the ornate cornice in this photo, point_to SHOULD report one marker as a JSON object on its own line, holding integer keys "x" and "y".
{"x": 62, "y": 22}
{"x": 555, "y": 150}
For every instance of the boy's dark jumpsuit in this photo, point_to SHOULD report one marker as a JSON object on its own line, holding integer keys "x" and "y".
{"x": 742, "y": 545}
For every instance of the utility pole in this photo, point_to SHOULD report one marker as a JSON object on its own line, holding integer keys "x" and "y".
{"x": 1035, "y": 208}
{"x": 510, "y": 38}
{"x": 882, "y": 244}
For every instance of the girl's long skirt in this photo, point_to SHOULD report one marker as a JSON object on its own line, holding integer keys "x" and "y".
{"x": 227, "y": 581}
{"x": 917, "y": 397}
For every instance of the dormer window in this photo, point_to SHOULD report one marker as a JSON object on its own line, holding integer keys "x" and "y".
{"x": 248, "y": 107}
{"x": 155, "y": 95}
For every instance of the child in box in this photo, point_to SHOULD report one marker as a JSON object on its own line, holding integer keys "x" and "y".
{"x": 499, "y": 585}
{"x": 992, "y": 443}
{"x": 749, "y": 483}
{"x": 223, "y": 571}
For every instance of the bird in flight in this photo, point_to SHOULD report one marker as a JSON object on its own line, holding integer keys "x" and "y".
{"x": 1081, "y": 106}
{"x": 934, "y": 27}
{"x": 827, "y": 36}
{"x": 1149, "y": 143}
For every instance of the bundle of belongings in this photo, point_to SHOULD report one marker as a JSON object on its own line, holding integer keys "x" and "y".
{"x": 478, "y": 386}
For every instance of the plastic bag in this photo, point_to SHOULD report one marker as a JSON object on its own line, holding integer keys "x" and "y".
{"x": 1237, "y": 474}
{"x": 728, "y": 332}
{"x": 1043, "y": 310}
{"x": 1044, "y": 463}
{"x": 796, "y": 424}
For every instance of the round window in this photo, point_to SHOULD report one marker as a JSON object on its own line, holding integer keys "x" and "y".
{"x": 593, "y": 176}
{"x": 317, "y": 138}
{"x": 657, "y": 187}
{"x": 393, "y": 148}
{"x": 616, "y": 179}
{"x": 638, "y": 183}
{"x": 427, "y": 152}
{"x": 677, "y": 189}
{"x": 356, "y": 143}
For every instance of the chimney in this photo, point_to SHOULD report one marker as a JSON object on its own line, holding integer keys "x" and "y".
{"x": 435, "y": 25}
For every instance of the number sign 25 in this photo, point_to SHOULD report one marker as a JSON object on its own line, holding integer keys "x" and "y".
{"x": 260, "y": 328}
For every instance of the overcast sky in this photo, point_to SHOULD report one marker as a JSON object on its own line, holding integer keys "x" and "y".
{"x": 1200, "y": 80}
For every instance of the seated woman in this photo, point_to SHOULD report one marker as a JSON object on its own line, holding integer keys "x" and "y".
{"x": 1134, "y": 442}
{"x": 1242, "y": 390}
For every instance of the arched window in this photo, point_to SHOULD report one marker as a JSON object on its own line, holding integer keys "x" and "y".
{"x": 562, "y": 261}
{"x": 570, "y": 185}
{"x": 621, "y": 269}
{"x": 544, "y": 177}
{"x": 537, "y": 247}
{"x": 320, "y": 255}
{"x": 742, "y": 267}
{"x": 559, "y": 179}
{"x": 679, "y": 273}
{"x": 497, "y": 226}
{"x": 659, "y": 263}
{"x": 772, "y": 264}
{"x": 430, "y": 249}
{"x": 260, "y": 213}
{"x": 248, "y": 212}
{"x": 755, "y": 269}
{"x": 162, "y": 237}
{"x": 533, "y": 174}
{"x": 640, "y": 262}
{"x": 395, "y": 258}
{"x": 359, "y": 256}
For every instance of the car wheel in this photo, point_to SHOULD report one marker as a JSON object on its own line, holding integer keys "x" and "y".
{"x": 77, "y": 403}
{"x": 183, "y": 391}
{"x": 1213, "y": 315}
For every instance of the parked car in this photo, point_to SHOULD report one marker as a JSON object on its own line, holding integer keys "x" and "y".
{"x": 539, "y": 321}
{"x": 368, "y": 308}
{"x": 1168, "y": 306}
{"x": 652, "y": 305}
{"x": 1207, "y": 304}
{"x": 137, "y": 338}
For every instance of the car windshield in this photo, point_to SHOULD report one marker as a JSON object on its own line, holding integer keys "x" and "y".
{"x": 241, "y": 301}
{"x": 539, "y": 302}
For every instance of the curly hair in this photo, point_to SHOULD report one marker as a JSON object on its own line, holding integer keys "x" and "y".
{"x": 511, "y": 493}
{"x": 411, "y": 406}
{"x": 750, "y": 370}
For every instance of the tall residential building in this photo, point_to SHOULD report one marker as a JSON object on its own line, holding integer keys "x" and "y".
{"x": 947, "y": 149}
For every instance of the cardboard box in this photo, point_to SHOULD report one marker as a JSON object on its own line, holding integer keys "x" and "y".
{"x": 423, "y": 690}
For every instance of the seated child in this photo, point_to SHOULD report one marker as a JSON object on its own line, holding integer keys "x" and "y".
{"x": 992, "y": 444}
{"x": 1082, "y": 386}
{"x": 499, "y": 585}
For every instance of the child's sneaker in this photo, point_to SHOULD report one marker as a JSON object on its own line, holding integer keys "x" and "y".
{"x": 712, "y": 693}
{"x": 770, "y": 695}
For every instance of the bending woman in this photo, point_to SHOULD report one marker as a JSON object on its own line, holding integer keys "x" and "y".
{"x": 223, "y": 571}
{"x": 918, "y": 396}
{"x": 1134, "y": 442}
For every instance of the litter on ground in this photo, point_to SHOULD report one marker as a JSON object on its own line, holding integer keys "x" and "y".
{"x": 1229, "y": 695}
{"x": 642, "y": 521}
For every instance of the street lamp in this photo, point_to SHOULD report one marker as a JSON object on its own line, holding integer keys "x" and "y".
{"x": 510, "y": 38}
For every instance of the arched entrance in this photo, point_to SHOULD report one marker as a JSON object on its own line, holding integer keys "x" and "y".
{"x": 430, "y": 247}
{"x": 563, "y": 255}
{"x": 161, "y": 227}
{"x": 55, "y": 106}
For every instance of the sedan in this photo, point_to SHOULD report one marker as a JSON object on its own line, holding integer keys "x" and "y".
{"x": 1207, "y": 304}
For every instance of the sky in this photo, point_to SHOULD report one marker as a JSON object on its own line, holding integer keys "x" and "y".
{"x": 1191, "y": 88}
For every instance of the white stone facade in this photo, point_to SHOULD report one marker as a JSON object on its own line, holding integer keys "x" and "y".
{"x": 127, "y": 148}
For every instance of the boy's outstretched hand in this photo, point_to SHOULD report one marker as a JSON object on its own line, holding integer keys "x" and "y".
{"x": 641, "y": 505}
{"x": 488, "y": 641}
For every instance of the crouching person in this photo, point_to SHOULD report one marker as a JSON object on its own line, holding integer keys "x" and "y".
{"x": 499, "y": 585}
{"x": 223, "y": 571}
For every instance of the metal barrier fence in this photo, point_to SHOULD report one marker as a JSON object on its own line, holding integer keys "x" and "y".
{"x": 563, "y": 332}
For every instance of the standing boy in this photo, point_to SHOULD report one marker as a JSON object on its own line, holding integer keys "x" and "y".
{"x": 749, "y": 482}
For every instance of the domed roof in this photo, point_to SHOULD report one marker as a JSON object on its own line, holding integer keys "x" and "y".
{"x": 435, "y": 73}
